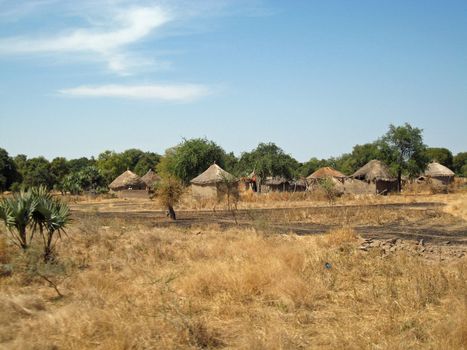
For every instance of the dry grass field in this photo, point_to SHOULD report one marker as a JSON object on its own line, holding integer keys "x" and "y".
{"x": 126, "y": 278}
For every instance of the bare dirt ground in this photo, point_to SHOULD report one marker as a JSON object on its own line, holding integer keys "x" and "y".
{"x": 436, "y": 222}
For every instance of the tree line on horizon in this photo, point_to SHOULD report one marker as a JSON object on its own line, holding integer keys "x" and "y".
{"x": 402, "y": 148}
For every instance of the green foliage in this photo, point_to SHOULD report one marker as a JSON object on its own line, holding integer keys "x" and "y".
{"x": 190, "y": 158}
{"x": 59, "y": 169}
{"x": 112, "y": 164}
{"x": 440, "y": 155}
{"x": 362, "y": 154}
{"x": 75, "y": 165}
{"x": 17, "y": 214}
{"x": 463, "y": 171}
{"x": 31, "y": 211}
{"x": 311, "y": 166}
{"x": 231, "y": 162}
{"x": 147, "y": 161}
{"x": 460, "y": 163}
{"x": 8, "y": 171}
{"x": 87, "y": 179}
{"x": 268, "y": 160}
{"x": 37, "y": 172}
{"x": 51, "y": 216}
{"x": 402, "y": 148}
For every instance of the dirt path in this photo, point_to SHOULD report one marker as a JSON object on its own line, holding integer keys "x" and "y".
{"x": 409, "y": 221}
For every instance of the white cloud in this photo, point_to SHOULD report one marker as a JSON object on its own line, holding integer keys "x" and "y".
{"x": 127, "y": 26}
{"x": 175, "y": 93}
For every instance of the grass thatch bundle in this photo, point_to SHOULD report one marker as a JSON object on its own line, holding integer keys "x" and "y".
{"x": 326, "y": 172}
{"x": 213, "y": 175}
{"x": 372, "y": 171}
{"x": 127, "y": 181}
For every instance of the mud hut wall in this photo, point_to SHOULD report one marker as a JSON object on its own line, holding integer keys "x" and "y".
{"x": 223, "y": 189}
{"x": 385, "y": 187}
{"x": 445, "y": 180}
{"x": 274, "y": 188}
{"x": 131, "y": 193}
{"x": 204, "y": 191}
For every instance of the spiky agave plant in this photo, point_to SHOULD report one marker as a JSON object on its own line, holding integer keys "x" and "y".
{"x": 50, "y": 216}
{"x": 17, "y": 214}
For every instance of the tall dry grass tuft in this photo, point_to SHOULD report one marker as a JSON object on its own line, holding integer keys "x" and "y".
{"x": 339, "y": 237}
{"x": 181, "y": 288}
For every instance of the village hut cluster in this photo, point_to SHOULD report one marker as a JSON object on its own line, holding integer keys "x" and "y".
{"x": 129, "y": 184}
{"x": 373, "y": 178}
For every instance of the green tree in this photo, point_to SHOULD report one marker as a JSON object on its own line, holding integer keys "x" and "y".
{"x": 344, "y": 163}
{"x": 231, "y": 162}
{"x": 87, "y": 179}
{"x": 148, "y": 160}
{"x": 440, "y": 155}
{"x": 8, "y": 171}
{"x": 311, "y": 166}
{"x": 190, "y": 158}
{"x": 402, "y": 148}
{"x": 268, "y": 160}
{"x": 362, "y": 154}
{"x": 76, "y": 165}
{"x": 59, "y": 169}
{"x": 460, "y": 163}
{"x": 111, "y": 165}
{"x": 37, "y": 172}
{"x": 131, "y": 157}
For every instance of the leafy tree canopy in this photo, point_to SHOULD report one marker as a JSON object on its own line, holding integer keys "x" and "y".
{"x": 75, "y": 165}
{"x": 190, "y": 158}
{"x": 402, "y": 148}
{"x": 460, "y": 163}
{"x": 59, "y": 168}
{"x": 36, "y": 172}
{"x": 111, "y": 165}
{"x": 147, "y": 161}
{"x": 311, "y": 166}
{"x": 268, "y": 160}
{"x": 87, "y": 179}
{"x": 440, "y": 155}
{"x": 8, "y": 171}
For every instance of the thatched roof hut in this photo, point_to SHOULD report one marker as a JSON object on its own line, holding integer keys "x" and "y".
{"x": 275, "y": 184}
{"x": 298, "y": 185}
{"x": 127, "y": 181}
{"x": 372, "y": 171}
{"x": 214, "y": 174}
{"x": 325, "y": 172}
{"x": 438, "y": 172}
{"x": 213, "y": 183}
{"x": 150, "y": 178}
{"x": 376, "y": 172}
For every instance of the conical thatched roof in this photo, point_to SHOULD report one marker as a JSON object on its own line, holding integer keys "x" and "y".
{"x": 373, "y": 170}
{"x": 150, "y": 178}
{"x": 435, "y": 169}
{"x": 214, "y": 174}
{"x": 326, "y": 172}
{"x": 126, "y": 180}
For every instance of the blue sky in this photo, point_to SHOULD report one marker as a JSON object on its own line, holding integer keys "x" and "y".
{"x": 315, "y": 77}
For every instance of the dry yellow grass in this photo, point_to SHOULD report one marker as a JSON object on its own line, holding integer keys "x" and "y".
{"x": 141, "y": 288}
